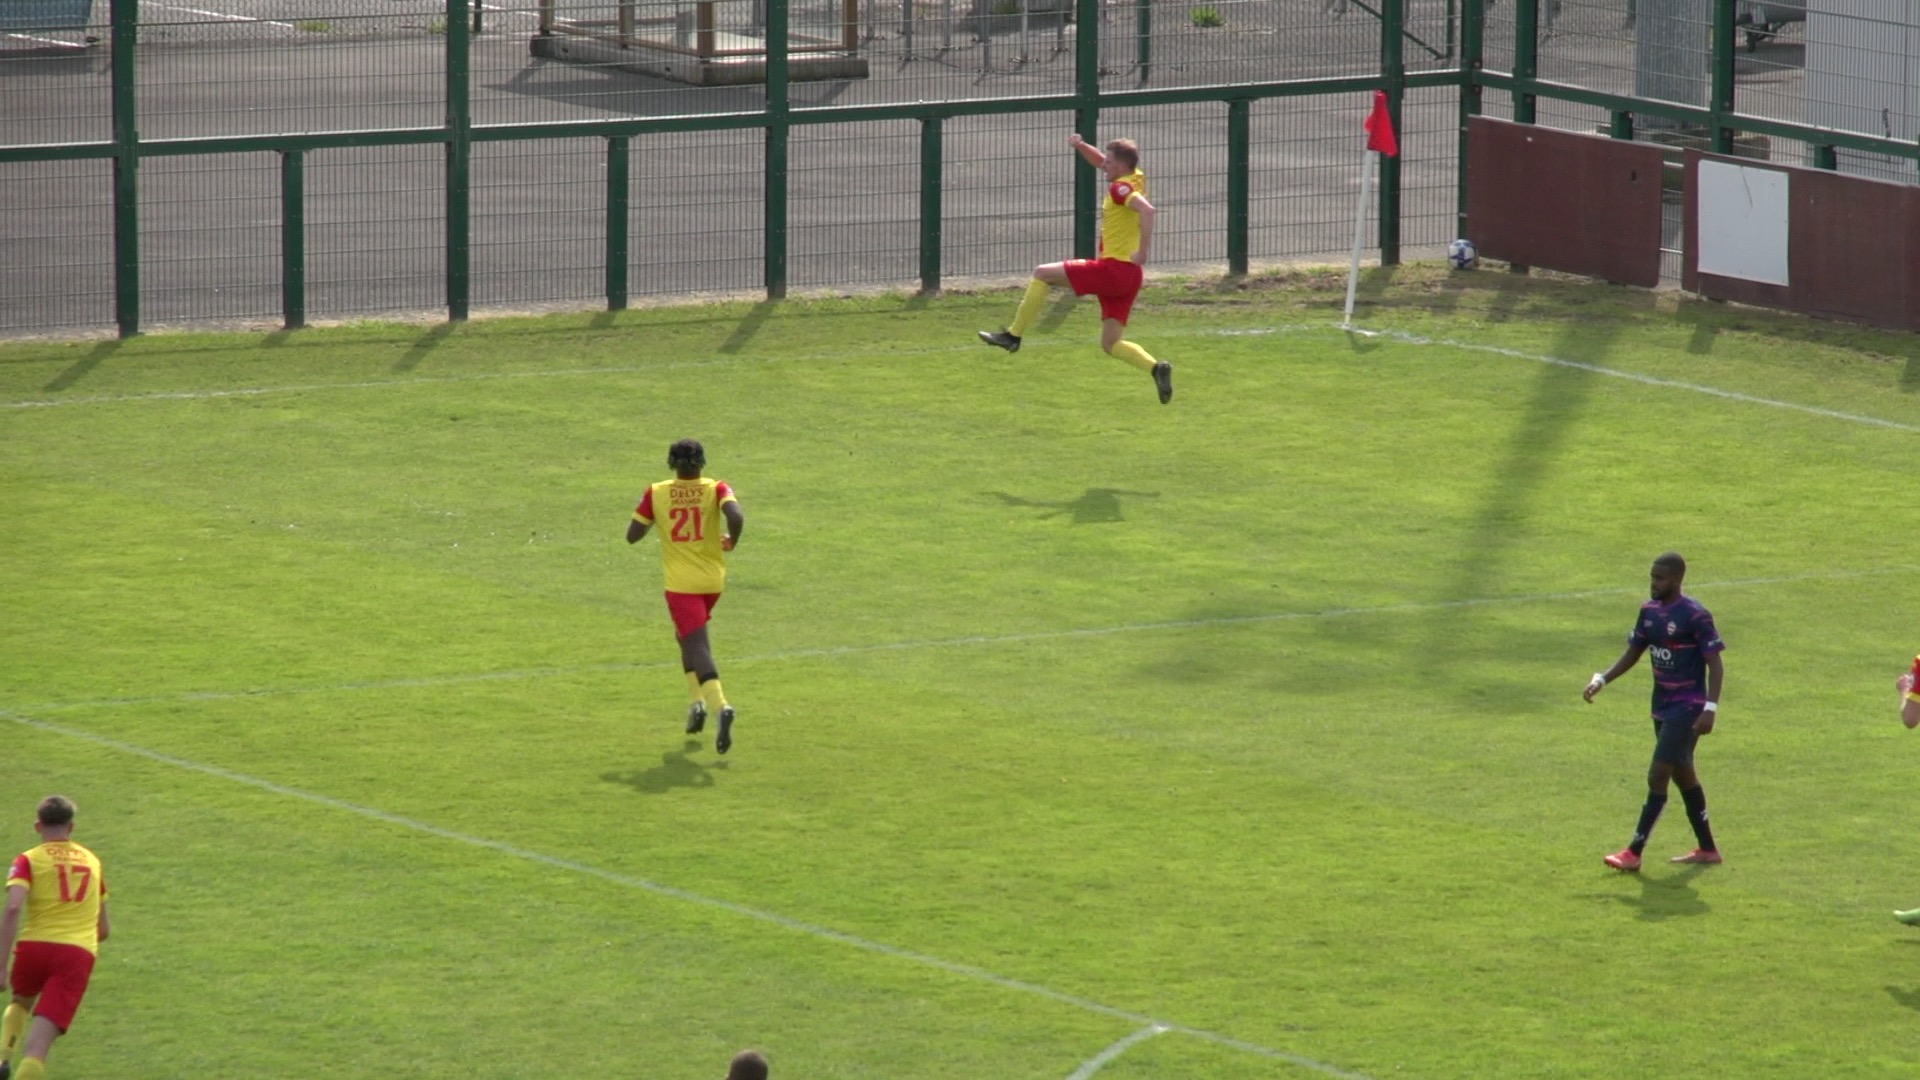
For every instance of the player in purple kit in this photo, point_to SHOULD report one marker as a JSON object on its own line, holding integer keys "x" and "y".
{"x": 1686, "y": 648}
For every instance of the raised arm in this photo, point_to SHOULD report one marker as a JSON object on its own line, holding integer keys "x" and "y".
{"x": 1093, "y": 155}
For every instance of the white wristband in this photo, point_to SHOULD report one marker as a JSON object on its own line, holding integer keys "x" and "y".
{"x": 1711, "y": 706}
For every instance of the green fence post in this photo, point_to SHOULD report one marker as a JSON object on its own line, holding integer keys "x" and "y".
{"x": 1239, "y": 153}
{"x": 1722, "y": 78}
{"x": 619, "y": 164}
{"x": 931, "y": 210}
{"x": 459, "y": 210}
{"x": 1144, "y": 55}
{"x": 779, "y": 133}
{"x": 1620, "y": 124}
{"x": 1086, "y": 120}
{"x": 1393, "y": 69}
{"x": 293, "y": 238}
{"x": 1526, "y": 57}
{"x": 1473, "y": 23}
{"x": 126, "y": 169}
{"x": 1825, "y": 156}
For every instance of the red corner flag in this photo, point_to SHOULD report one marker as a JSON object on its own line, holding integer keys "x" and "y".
{"x": 1380, "y": 127}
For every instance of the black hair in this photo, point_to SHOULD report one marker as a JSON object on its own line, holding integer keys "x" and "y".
{"x": 687, "y": 455}
{"x": 1673, "y": 562}
{"x": 56, "y": 810}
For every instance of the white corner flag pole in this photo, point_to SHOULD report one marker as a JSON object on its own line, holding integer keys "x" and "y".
{"x": 1359, "y": 236}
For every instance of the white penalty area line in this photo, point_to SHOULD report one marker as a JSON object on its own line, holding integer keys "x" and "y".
{"x": 965, "y": 641}
{"x": 1105, "y": 1057}
{"x": 1634, "y": 376}
{"x": 965, "y": 971}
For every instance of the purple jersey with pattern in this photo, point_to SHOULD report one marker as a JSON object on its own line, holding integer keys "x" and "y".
{"x": 1678, "y": 637}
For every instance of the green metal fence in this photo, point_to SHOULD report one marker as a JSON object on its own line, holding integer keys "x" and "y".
{"x": 269, "y": 160}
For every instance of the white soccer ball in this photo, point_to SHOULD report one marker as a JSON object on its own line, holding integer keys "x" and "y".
{"x": 1462, "y": 255}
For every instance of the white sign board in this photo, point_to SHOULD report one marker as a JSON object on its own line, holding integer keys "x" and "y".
{"x": 1743, "y": 222}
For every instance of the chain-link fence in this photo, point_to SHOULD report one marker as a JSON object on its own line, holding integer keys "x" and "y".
{"x": 286, "y": 160}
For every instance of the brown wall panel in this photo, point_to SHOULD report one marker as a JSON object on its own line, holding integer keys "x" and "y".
{"x": 1559, "y": 200}
{"x": 1851, "y": 246}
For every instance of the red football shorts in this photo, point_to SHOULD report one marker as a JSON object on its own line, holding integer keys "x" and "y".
{"x": 56, "y": 974}
{"x": 690, "y": 611}
{"x": 1115, "y": 281}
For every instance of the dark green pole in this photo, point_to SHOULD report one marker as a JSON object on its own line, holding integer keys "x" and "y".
{"x": 619, "y": 165}
{"x": 459, "y": 161}
{"x": 1723, "y": 50}
{"x": 779, "y": 132}
{"x": 1393, "y": 68}
{"x": 1620, "y": 124}
{"x": 1825, "y": 156}
{"x": 1145, "y": 55}
{"x": 293, "y": 238}
{"x": 1526, "y": 56}
{"x": 1239, "y": 190}
{"x": 1473, "y": 24}
{"x": 1086, "y": 120}
{"x": 125, "y": 15}
{"x": 931, "y": 210}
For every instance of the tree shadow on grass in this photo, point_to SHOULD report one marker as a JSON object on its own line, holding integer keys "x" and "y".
{"x": 1095, "y": 506}
{"x": 1663, "y": 898}
{"x": 677, "y": 769}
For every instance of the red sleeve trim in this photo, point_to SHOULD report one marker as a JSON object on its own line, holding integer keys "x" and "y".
{"x": 644, "y": 512}
{"x": 22, "y": 869}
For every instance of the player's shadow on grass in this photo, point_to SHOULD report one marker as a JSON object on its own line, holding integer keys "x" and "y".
{"x": 1908, "y": 998}
{"x": 1663, "y": 898}
{"x": 1095, "y": 506}
{"x": 677, "y": 769}
{"x": 1910, "y": 376}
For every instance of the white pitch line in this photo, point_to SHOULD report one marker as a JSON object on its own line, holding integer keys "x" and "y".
{"x": 1395, "y": 335}
{"x": 1099, "y": 1061}
{"x": 1649, "y": 380}
{"x": 834, "y": 651}
{"x": 951, "y": 967}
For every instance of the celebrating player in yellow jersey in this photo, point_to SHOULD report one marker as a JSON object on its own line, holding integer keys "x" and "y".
{"x": 61, "y": 891}
{"x": 1126, "y": 234}
{"x": 693, "y": 552}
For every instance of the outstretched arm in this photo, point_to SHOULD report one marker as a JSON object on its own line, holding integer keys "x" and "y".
{"x": 1620, "y": 667}
{"x": 1094, "y": 156}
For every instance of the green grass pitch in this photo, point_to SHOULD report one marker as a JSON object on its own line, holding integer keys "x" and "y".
{"x": 1237, "y": 739}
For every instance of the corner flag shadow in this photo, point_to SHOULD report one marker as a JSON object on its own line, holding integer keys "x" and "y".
{"x": 676, "y": 770}
{"x": 1665, "y": 898}
{"x": 1096, "y": 506}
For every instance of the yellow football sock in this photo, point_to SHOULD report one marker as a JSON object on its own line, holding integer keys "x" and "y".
{"x": 716, "y": 697}
{"x": 1030, "y": 306}
{"x": 11, "y": 1028}
{"x": 693, "y": 686}
{"x": 1134, "y": 354}
{"x": 31, "y": 1069}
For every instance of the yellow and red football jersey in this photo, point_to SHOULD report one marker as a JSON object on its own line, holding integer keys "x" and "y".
{"x": 691, "y": 525}
{"x": 65, "y": 887}
{"x": 1119, "y": 221}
